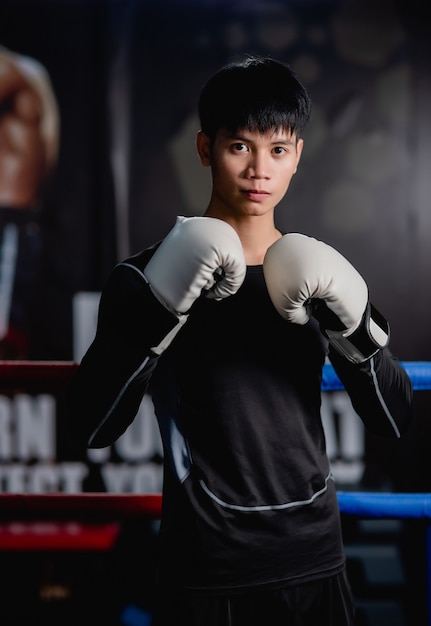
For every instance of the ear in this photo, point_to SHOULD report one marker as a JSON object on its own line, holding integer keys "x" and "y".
{"x": 203, "y": 148}
{"x": 299, "y": 146}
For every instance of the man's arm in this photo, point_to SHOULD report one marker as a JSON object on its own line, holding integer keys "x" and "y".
{"x": 380, "y": 390}
{"x": 114, "y": 374}
{"x": 305, "y": 278}
{"x": 144, "y": 304}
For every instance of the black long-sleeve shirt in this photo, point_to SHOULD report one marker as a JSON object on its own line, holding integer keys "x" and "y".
{"x": 248, "y": 497}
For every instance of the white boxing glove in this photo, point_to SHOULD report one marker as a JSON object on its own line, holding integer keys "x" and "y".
{"x": 307, "y": 277}
{"x": 198, "y": 254}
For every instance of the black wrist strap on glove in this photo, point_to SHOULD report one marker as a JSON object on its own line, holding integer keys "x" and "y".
{"x": 365, "y": 341}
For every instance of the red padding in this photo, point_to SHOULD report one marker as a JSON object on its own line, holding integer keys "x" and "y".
{"x": 17, "y": 536}
{"x": 57, "y": 521}
{"x": 94, "y": 506}
{"x": 37, "y": 376}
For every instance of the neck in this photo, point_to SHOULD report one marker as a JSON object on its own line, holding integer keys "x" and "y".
{"x": 255, "y": 244}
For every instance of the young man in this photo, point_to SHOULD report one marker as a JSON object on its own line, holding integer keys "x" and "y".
{"x": 231, "y": 322}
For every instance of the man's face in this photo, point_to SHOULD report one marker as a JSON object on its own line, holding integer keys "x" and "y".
{"x": 251, "y": 172}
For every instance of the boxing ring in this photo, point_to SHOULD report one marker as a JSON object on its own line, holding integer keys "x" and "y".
{"x": 91, "y": 520}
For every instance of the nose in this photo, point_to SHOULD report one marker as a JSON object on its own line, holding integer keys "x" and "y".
{"x": 259, "y": 166}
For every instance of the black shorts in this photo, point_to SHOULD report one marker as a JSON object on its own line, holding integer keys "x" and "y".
{"x": 326, "y": 602}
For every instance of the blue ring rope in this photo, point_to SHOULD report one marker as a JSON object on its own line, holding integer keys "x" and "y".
{"x": 418, "y": 371}
{"x": 385, "y": 505}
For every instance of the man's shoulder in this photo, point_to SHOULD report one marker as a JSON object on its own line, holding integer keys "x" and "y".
{"x": 140, "y": 259}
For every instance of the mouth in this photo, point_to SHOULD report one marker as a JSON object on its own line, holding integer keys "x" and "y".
{"x": 255, "y": 194}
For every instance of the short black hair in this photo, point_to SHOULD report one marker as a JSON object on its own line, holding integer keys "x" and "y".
{"x": 257, "y": 94}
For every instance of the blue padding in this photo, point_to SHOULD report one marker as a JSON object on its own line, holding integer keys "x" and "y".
{"x": 392, "y": 505}
{"x": 132, "y": 615}
{"x": 418, "y": 371}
